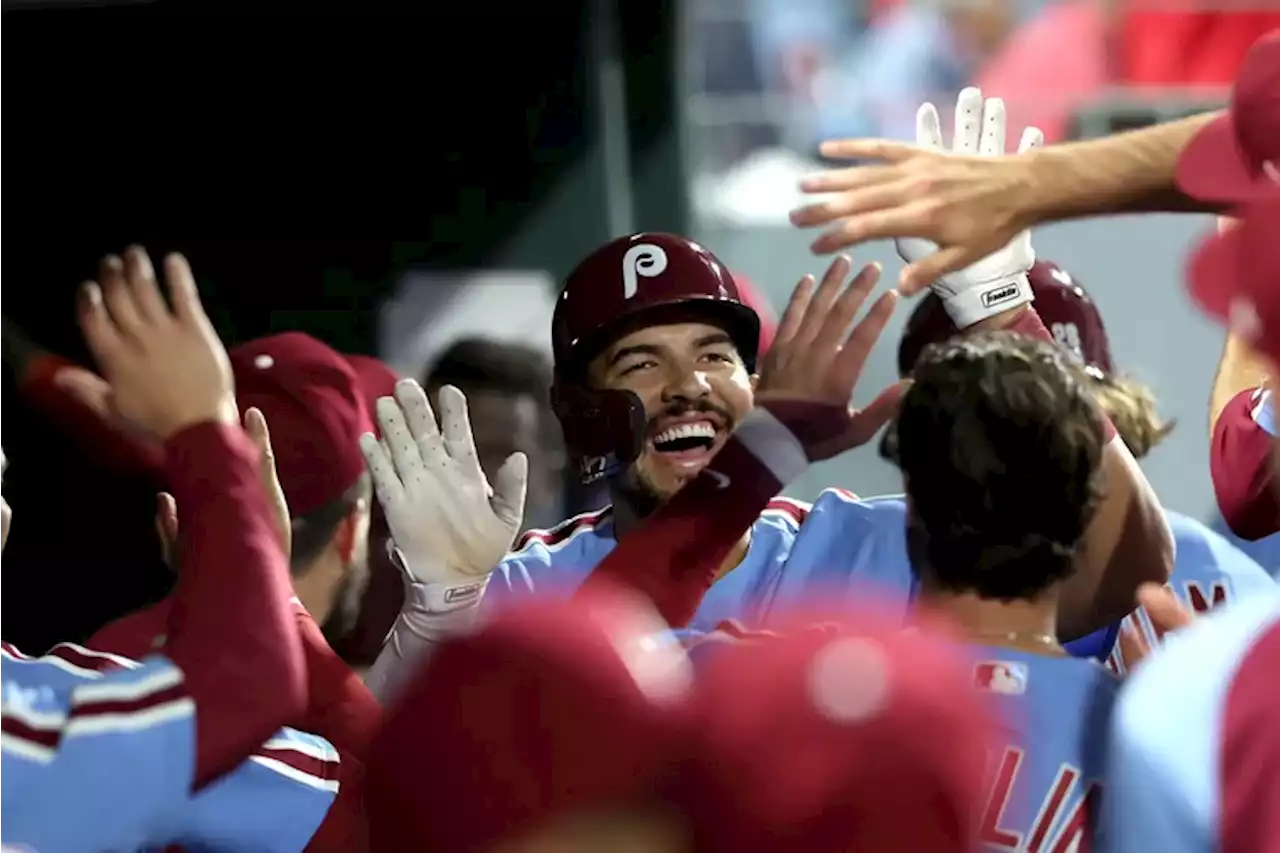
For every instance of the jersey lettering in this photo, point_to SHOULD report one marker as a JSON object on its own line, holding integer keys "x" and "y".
{"x": 1067, "y": 336}
{"x": 643, "y": 259}
{"x": 1202, "y": 602}
{"x": 1074, "y": 837}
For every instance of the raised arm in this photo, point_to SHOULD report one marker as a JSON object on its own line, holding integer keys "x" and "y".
{"x": 231, "y": 629}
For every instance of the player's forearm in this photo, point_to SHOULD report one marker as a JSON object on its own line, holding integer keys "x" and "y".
{"x": 1126, "y": 173}
{"x": 1128, "y": 542}
{"x": 1239, "y": 369}
{"x": 413, "y": 636}
{"x": 675, "y": 555}
{"x": 232, "y": 626}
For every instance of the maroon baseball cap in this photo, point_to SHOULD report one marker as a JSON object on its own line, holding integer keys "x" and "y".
{"x": 865, "y": 737}
{"x": 1065, "y": 307}
{"x": 1235, "y": 275}
{"x": 542, "y": 713}
{"x": 376, "y": 380}
{"x": 1237, "y": 155}
{"x": 315, "y": 411}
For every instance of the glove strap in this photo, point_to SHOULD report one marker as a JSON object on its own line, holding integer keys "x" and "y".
{"x": 976, "y": 304}
{"x": 432, "y": 599}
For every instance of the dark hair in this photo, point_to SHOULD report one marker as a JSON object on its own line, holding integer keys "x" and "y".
{"x": 484, "y": 364}
{"x": 1000, "y": 443}
{"x": 313, "y": 532}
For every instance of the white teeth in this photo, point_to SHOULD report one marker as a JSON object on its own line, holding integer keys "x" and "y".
{"x": 701, "y": 429}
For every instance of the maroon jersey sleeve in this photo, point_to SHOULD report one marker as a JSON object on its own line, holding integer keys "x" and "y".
{"x": 1249, "y": 817}
{"x": 1240, "y": 463}
{"x": 675, "y": 555}
{"x": 231, "y": 627}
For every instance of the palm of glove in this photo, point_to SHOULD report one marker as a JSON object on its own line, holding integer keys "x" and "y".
{"x": 981, "y": 130}
{"x": 443, "y": 515}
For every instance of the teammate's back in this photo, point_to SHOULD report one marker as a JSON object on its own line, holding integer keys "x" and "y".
{"x": 1046, "y": 780}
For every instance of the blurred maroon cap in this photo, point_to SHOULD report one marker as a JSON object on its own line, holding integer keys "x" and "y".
{"x": 1235, "y": 275}
{"x": 544, "y": 711}
{"x": 857, "y": 739}
{"x": 315, "y": 410}
{"x": 1066, "y": 308}
{"x": 376, "y": 380}
{"x": 1237, "y": 156}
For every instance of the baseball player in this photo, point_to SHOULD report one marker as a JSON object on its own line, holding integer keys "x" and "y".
{"x": 998, "y": 514}
{"x": 969, "y": 206}
{"x": 1208, "y": 571}
{"x": 1195, "y": 750}
{"x": 71, "y": 726}
{"x": 655, "y": 359}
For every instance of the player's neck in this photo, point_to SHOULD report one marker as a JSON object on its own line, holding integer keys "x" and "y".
{"x": 1027, "y": 625}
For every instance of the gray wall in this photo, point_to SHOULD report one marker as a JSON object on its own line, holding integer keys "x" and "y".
{"x": 1133, "y": 267}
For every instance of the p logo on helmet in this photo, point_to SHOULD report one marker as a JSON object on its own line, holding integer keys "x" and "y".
{"x": 644, "y": 259}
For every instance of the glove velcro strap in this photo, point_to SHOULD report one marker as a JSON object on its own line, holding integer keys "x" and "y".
{"x": 433, "y": 598}
{"x": 987, "y": 300}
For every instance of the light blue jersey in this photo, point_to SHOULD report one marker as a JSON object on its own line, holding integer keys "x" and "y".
{"x": 839, "y": 545}
{"x": 1046, "y": 781}
{"x": 1208, "y": 572}
{"x": 99, "y": 754}
{"x": 272, "y": 803}
{"x": 1265, "y": 551}
{"x": 93, "y": 760}
{"x": 1173, "y": 752}
{"x": 1045, "y": 778}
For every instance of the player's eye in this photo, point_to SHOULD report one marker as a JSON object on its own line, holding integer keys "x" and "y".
{"x": 635, "y": 366}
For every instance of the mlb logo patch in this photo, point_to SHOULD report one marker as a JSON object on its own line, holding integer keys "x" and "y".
{"x": 1004, "y": 677}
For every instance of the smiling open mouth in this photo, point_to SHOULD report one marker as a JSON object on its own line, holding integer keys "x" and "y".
{"x": 685, "y": 438}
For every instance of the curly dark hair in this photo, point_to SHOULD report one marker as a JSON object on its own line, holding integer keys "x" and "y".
{"x": 1000, "y": 443}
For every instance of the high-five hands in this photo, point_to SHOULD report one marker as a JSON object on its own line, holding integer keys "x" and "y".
{"x": 165, "y": 367}
{"x": 963, "y": 204}
{"x": 807, "y": 378}
{"x": 450, "y": 527}
{"x": 997, "y": 282}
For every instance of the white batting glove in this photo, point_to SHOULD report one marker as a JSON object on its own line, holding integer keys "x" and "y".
{"x": 998, "y": 282}
{"x": 449, "y": 527}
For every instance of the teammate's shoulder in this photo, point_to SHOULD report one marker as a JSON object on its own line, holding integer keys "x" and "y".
{"x": 1199, "y": 545}
{"x": 555, "y": 538}
{"x": 844, "y": 501}
{"x": 301, "y": 757}
{"x": 68, "y": 658}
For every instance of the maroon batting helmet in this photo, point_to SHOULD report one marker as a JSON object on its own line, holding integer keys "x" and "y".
{"x": 634, "y": 281}
{"x": 1063, "y": 304}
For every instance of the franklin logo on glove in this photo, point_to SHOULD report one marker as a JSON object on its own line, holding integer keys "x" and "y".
{"x": 999, "y": 296}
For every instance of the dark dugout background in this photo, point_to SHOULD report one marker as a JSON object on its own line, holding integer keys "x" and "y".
{"x": 285, "y": 151}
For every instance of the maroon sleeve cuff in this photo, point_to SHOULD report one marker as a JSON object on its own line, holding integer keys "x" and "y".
{"x": 1241, "y": 467}
{"x": 232, "y": 628}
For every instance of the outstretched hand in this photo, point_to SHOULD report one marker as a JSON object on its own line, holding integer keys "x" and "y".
{"x": 164, "y": 367}
{"x": 970, "y": 202}
{"x": 818, "y": 355}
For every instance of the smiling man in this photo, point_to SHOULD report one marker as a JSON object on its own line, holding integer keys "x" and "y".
{"x": 656, "y": 365}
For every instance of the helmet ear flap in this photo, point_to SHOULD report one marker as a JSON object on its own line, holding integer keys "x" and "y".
{"x": 604, "y": 430}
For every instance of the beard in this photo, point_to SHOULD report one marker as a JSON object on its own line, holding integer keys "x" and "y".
{"x": 346, "y": 601}
{"x": 641, "y": 494}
